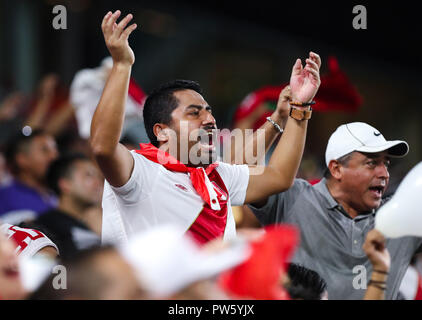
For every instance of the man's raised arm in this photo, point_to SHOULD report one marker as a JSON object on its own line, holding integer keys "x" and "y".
{"x": 114, "y": 160}
{"x": 279, "y": 175}
{"x": 265, "y": 135}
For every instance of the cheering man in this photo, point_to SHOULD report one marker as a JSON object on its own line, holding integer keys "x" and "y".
{"x": 185, "y": 185}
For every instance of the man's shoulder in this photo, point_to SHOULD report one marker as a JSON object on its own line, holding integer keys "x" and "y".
{"x": 8, "y": 188}
{"x": 228, "y": 166}
{"x": 52, "y": 216}
{"x": 300, "y": 184}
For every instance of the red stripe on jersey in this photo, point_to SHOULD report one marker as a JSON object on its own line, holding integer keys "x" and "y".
{"x": 211, "y": 224}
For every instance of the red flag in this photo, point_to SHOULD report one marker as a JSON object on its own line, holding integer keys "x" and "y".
{"x": 336, "y": 93}
{"x": 259, "y": 277}
{"x": 136, "y": 92}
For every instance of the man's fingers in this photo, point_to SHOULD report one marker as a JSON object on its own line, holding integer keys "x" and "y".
{"x": 128, "y": 31}
{"x": 105, "y": 19}
{"x": 312, "y": 71}
{"x": 314, "y": 56}
{"x": 112, "y": 20}
{"x": 297, "y": 68}
{"x": 122, "y": 24}
{"x": 312, "y": 64}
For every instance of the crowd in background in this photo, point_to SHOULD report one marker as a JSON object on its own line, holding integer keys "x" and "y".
{"x": 50, "y": 184}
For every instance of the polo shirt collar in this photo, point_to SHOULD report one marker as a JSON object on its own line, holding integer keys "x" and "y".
{"x": 322, "y": 188}
{"x": 332, "y": 203}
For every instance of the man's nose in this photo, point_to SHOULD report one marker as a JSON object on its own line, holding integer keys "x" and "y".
{"x": 383, "y": 171}
{"x": 209, "y": 119}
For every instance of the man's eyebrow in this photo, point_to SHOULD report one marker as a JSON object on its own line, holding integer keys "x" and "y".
{"x": 198, "y": 107}
{"x": 376, "y": 155}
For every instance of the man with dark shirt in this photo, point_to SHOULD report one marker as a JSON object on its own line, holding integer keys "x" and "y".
{"x": 28, "y": 156}
{"x": 77, "y": 182}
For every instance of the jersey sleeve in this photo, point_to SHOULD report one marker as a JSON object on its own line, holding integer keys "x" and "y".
{"x": 236, "y": 179}
{"x": 139, "y": 183}
{"x": 28, "y": 241}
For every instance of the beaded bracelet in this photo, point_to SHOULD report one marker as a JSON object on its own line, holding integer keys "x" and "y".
{"x": 377, "y": 284}
{"x": 379, "y": 271}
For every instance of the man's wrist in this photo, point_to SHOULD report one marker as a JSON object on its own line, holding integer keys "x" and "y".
{"x": 121, "y": 65}
{"x": 295, "y": 98}
{"x": 275, "y": 125}
{"x": 278, "y": 118}
{"x": 379, "y": 276}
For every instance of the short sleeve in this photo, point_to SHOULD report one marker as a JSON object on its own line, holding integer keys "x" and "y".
{"x": 135, "y": 189}
{"x": 278, "y": 205}
{"x": 236, "y": 179}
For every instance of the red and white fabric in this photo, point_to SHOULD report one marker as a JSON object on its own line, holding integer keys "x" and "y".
{"x": 28, "y": 241}
{"x": 155, "y": 196}
{"x": 411, "y": 286}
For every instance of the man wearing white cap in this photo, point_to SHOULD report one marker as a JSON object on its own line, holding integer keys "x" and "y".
{"x": 336, "y": 214}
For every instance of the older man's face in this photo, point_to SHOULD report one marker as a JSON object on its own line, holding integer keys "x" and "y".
{"x": 365, "y": 179}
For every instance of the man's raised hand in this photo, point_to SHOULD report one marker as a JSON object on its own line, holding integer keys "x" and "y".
{"x": 305, "y": 81}
{"x": 116, "y": 37}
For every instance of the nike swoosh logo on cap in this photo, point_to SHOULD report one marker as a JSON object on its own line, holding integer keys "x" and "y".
{"x": 377, "y": 133}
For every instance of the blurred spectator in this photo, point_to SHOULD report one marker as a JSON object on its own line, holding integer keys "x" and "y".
{"x": 85, "y": 93}
{"x": 71, "y": 225}
{"x": 305, "y": 284}
{"x": 98, "y": 273}
{"x": 5, "y": 176}
{"x": 47, "y": 108}
{"x": 10, "y": 113}
{"x": 171, "y": 265}
{"x": 11, "y": 287}
{"x": 28, "y": 156}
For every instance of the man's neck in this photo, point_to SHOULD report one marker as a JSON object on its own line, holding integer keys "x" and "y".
{"x": 341, "y": 197}
{"x": 76, "y": 210}
{"x": 31, "y": 182}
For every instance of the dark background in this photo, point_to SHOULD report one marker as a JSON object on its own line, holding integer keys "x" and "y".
{"x": 233, "y": 48}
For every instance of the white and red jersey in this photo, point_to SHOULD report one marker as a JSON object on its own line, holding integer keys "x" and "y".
{"x": 156, "y": 196}
{"x": 28, "y": 241}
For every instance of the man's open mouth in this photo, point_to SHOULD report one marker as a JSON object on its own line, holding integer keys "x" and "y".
{"x": 207, "y": 139}
{"x": 11, "y": 272}
{"x": 377, "y": 191}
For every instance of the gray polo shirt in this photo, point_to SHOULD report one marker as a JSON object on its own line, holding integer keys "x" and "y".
{"x": 331, "y": 241}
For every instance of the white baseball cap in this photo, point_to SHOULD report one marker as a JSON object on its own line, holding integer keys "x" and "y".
{"x": 360, "y": 136}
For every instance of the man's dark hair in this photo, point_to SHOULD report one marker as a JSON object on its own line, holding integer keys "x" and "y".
{"x": 161, "y": 102}
{"x": 62, "y": 168}
{"x": 19, "y": 142}
{"x": 84, "y": 280}
{"x": 305, "y": 283}
{"x": 342, "y": 160}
